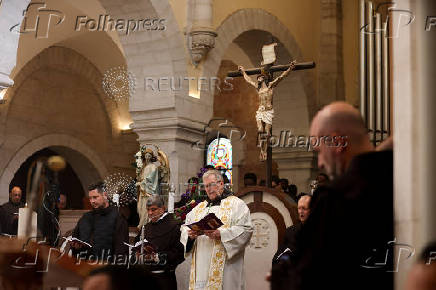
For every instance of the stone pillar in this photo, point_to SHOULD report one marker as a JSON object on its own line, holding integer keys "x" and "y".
{"x": 298, "y": 166}
{"x": 202, "y": 34}
{"x": 426, "y": 60}
{"x": 414, "y": 136}
{"x": 11, "y": 13}
{"x": 330, "y": 67}
{"x": 176, "y": 136}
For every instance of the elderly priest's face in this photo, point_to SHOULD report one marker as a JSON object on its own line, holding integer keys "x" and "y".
{"x": 214, "y": 188}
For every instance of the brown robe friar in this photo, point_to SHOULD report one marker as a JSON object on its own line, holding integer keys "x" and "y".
{"x": 164, "y": 235}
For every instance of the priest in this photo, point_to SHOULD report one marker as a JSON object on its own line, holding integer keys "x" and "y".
{"x": 218, "y": 255}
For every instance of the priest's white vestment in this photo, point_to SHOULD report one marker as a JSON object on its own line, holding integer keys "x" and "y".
{"x": 219, "y": 264}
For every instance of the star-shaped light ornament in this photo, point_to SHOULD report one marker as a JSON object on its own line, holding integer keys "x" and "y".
{"x": 119, "y": 84}
{"x": 121, "y": 189}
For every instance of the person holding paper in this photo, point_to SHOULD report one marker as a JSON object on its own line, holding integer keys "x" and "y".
{"x": 104, "y": 228}
{"x": 162, "y": 232}
{"x": 218, "y": 255}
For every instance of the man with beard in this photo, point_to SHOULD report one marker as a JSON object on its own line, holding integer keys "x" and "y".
{"x": 103, "y": 228}
{"x": 344, "y": 242}
{"x": 9, "y": 212}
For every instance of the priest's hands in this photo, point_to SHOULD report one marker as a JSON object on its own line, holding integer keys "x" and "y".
{"x": 193, "y": 234}
{"x": 214, "y": 234}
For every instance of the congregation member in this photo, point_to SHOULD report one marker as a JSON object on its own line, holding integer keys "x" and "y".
{"x": 250, "y": 179}
{"x": 61, "y": 203}
{"x": 218, "y": 255}
{"x": 163, "y": 232}
{"x": 9, "y": 212}
{"x": 103, "y": 228}
{"x": 116, "y": 277}
{"x": 289, "y": 244}
{"x": 351, "y": 220}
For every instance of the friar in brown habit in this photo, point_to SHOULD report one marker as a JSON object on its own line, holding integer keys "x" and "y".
{"x": 163, "y": 233}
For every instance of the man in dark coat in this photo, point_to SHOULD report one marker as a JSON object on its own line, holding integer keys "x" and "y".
{"x": 289, "y": 244}
{"x": 9, "y": 212}
{"x": 163, "y": 233}
{"x": 345, "y": 243}
{"x": 103, "y": 228}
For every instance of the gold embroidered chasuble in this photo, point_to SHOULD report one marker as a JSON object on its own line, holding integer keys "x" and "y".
{"x": 218, "y": 264}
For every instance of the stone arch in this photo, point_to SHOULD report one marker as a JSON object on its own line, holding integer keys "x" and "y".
{"x": 80, "y": 156}
{"x": 253, "y": 19}
{"x": 151, "y": 54}
{"x": 62, "y": 58}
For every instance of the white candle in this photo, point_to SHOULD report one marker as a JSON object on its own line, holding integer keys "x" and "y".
{"x": 171, "y": 199}
{"x": 23, "y": 215}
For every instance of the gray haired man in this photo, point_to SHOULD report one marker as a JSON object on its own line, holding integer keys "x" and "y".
{"x": 163, "y": 232}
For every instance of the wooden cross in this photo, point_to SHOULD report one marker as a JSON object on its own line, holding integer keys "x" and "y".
{"x": 267, "y": 70}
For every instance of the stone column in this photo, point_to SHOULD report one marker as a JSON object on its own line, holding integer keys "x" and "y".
{"x": 298, "y": 166}
{"x": 330, "y": 67}
{"x": 414, "y": 136}
{"x": 176, "y": 135}
{"x": 202, "y": 34}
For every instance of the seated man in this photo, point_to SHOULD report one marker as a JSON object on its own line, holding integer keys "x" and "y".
{"x": 163, "y": 232}
{"x": 103, "y": 228}
{"x": 9, "y": 212}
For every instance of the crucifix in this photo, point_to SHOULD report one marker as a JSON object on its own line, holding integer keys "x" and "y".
{"x": 265, "y": 88}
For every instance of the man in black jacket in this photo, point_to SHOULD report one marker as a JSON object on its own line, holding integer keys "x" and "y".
{"x": 344, "y": 243}
{"x": 103, "y": 228}
{"x": 163, "y": 233}
{"x": 9, "y": 212}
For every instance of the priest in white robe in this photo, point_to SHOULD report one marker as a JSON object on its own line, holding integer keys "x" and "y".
{"x": 218, "y": 256}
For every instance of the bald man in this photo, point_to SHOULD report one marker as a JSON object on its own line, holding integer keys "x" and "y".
{"x": 344, "y": 242}
{"x": 9, "y": 212}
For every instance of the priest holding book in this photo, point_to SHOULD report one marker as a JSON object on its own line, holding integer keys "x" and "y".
{"x": 217, "y": 254}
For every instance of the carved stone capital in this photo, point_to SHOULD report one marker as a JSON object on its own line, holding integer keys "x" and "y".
{"x": 201, "y": 41}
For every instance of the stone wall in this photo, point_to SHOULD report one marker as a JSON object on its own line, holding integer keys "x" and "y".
{"x": 58, "y": 94}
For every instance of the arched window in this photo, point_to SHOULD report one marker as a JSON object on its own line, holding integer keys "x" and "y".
{"x": 219, "y": 154}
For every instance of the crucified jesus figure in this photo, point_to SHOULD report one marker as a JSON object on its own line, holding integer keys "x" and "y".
{"x": 265, "y": 112}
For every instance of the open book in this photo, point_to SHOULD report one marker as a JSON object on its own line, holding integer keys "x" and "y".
{"x": 72, "y": 239}
{"x": 209, "y": 222}
{"x": 148, "y": 247}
